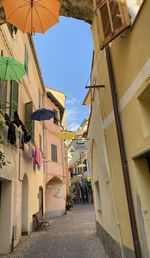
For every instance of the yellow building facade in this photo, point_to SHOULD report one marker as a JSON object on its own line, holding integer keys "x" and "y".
{"x": 130, "y": 61}
{"x": 21, "y": 180}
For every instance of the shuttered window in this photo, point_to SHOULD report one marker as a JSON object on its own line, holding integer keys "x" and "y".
{"x": 112, "y": 19}
{"x": 29, "y": 124}
{"x": 40, "y": 142}
{"x": 54, "y": 152}
{"x": 13, "y": 97}
{"x": 3, "y": 94}
{"x": 55, "y": 117}
{"x": 26, "y": 58}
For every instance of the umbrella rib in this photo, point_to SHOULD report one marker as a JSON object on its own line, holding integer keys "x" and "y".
{"x": 39, "y": 18}
{"x": 11, "y": 65}
{"x": 42, "y": 6}
{"x": 26, "y": 19}
{"x": 19, "y": 67}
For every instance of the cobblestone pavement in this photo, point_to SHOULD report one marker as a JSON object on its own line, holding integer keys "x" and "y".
{"x": 70, "y": 236}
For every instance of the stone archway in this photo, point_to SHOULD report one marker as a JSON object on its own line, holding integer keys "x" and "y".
{"x": 55, "y": 197}
{"x": 24, "y": 227}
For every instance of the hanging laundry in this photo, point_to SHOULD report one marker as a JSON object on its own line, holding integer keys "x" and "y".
{"x": 27, "y": 136}
{"x": 17, "y": 120}
{"x": 7, "y": 119}
{"x": 37, "y": 156}
{"x": 11, "y": 137}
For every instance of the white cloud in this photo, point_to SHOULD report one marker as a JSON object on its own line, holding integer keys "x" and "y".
{"x": 72, "y": 113}
{"x": 71, "y": 101}
{"x": 73, "y": 126}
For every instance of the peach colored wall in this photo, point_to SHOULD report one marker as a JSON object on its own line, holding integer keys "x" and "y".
{"x": 55, "y": 191}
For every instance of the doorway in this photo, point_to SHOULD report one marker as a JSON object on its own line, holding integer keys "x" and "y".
{"x": 24, "y": 229}
{"x": 41, "y": 200}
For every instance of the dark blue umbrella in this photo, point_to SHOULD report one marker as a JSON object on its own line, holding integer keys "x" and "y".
{"x": 42, "y": 114}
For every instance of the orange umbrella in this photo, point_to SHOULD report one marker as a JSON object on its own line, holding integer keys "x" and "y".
{"x": 32, "y": 15}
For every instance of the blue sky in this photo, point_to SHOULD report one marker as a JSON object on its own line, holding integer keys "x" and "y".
{"x": 65, "y": 56}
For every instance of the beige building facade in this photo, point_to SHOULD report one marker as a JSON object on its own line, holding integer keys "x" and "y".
{"x": 21, "y": 180}
{"x": 130, "y": 72}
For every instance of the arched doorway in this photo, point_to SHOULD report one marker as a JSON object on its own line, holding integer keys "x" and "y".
{"x": 55, "y": 197}
{"x": 24, "y": 228}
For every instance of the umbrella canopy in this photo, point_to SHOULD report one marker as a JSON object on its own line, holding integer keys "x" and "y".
{"x": 32, "y": 15}
{"x": 11, "y": 69}
{"x": 81, "y": 165}
{"x": 66, "y": 135}
{"x": 42, "y": 114}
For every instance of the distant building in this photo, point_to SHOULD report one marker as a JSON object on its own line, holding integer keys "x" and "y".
{"x": 78, "y": 153}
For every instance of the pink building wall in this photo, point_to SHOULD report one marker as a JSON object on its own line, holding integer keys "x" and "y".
{"x": 55, "y": 179}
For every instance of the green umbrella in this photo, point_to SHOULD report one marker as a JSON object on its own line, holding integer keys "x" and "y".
{"x": 11, "y": 69}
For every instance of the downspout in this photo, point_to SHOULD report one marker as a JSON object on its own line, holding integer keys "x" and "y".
{"x": 124, "y": 163}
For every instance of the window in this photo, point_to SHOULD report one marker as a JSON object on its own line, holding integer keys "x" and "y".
{"x": 148, "y": 162}
{"x": 13, "y": 97}
{"x": 40, "y": 99}
{"x": 9, "y": 96}
{"x": 144, "y": 110}
{"x": 55, "y": 117}
{"x": 3, "y": 94}
{"x": 112, "y": 19}
{"x": 12, "y": 29}
{"x": 54, "y": 152}
{"x": 29, "y": 124}
{"x": 26, "y": 59}
{"x": 40, "y": 141}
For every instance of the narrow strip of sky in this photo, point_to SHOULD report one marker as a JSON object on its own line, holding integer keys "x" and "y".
{"x": 65, "y": 56}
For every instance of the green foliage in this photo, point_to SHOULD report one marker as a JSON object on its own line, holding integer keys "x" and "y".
{"x": 69, "y": 202}
{"x": 1, "y": 129}
{"x": 2, "y": 159}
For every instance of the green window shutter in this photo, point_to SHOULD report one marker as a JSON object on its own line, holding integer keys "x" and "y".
{"x": 40, "y": 141}
{"x": 29, "y": 124}
{"x": 13, "y": 97}
{"x": 54, "y": 152}
{"x": 3, "y": 94}
{"x": 26, "y": 58}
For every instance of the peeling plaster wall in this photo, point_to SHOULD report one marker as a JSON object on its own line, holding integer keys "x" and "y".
{"x": 82, "y": 10}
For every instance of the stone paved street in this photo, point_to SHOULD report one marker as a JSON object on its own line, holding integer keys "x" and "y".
{"x": 70, "y": 236}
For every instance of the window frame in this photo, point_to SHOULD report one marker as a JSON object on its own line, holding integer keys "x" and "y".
{"x": 54, "y": 154}
{"x": 26, "y": 60}
{"x": 114, "y": 31}
{"x": 55, "y": 119}
{"x": 29, "y": 124}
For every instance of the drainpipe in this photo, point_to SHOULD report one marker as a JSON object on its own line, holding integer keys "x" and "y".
{"x": 124, "y": 163}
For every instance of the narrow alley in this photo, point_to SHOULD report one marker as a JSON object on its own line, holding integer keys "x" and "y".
{"x": 69, "y": 236}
